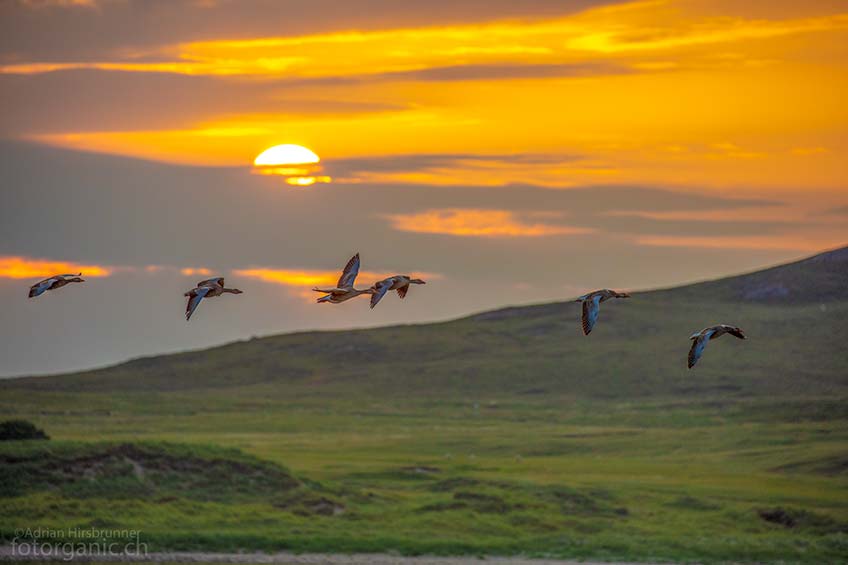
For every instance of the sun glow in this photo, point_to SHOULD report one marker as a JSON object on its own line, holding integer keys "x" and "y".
{"x": 296, "y": 163}
{"x": 286, "y": 154}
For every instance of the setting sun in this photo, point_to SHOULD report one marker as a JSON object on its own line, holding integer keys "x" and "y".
{"x": 286, "y": 154}
{"x": 296, "y": 163}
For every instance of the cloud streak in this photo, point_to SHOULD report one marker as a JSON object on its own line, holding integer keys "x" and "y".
{"x": 18, "y": 267}
{"x": 479, "y": 223}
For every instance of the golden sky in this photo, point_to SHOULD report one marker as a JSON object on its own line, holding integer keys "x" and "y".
{"x": 711, "y": 93}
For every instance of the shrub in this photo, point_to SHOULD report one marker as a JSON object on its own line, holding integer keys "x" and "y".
{"x": 20, "y": 429}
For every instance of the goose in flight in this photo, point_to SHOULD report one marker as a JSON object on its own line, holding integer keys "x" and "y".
{"x": 53, "y": 283}
{"x": 344, "y": 289}
{"x": 592, "y": 306}
{"x": 206, "y": 289}
{"x": 700, "y": 339}
{"x": 400, "y": 283}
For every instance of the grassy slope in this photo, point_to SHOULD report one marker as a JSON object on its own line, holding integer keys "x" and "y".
{"x": 543, "y": 441}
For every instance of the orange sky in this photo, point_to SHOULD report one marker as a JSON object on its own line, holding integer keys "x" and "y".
{"x": 685, "y": 92}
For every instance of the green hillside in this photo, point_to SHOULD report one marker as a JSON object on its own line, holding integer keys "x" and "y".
{"x": 795, "y": 316}
{"x": 505, "y": 432}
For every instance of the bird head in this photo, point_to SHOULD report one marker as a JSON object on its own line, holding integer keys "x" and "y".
{"x": 417, "y": 281}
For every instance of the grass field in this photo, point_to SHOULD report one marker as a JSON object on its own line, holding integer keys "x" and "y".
{"x": 503, "y": 433}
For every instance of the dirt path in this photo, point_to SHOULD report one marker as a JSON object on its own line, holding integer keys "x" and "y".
{"x": 6, "y": 554}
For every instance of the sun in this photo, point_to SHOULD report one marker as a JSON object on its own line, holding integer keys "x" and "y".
{"x": 286, "y": 154}
{"x": 297, "y": 164}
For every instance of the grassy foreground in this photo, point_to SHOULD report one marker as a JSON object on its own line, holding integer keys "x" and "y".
{"x": 503, "y": 433}
{"x": 671, "y": 482}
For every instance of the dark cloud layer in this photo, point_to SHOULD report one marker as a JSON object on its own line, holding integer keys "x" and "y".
{"x": 95, "y": 100}
{"x": 116, "y": 29}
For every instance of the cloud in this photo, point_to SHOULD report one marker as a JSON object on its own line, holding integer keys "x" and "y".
{"x": 612, "y": 39}
{"x": 307, "y": 278}
{"x": 18, "y": 267}
{"x": 500, "y": 72}
{"x": 191, "y": 271}
{"x": 296, "y": 278}
{"x": 130, "y": 28}
{"x": 478, "y": 223}
{"x": 97, "y": 100}
{"x": 458, "y": 168}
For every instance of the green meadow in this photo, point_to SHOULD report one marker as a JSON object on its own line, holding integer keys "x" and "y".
{"x": 504, "y": 433}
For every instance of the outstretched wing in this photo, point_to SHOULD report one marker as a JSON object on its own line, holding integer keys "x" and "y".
{"x": 698, "y": 345}
{"x": 403, "y": 290}
{"x": 40, "y": 287}
{"x": 349, "y": 273}
{"x": 382, "y": 287}
{"x": 217, "y": 281}
{"x": 591, "y": 308}
{"x": 194, "y": 298}
{"x": 736, "y": 332}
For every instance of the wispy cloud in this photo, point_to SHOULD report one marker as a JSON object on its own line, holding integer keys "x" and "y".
{"x": 17, "y": 267}
{"x": 300, "y": 282}
{"x": 191, "y": 271}
{"x": 305, "y": 278}
{"x": 479, "y": 223}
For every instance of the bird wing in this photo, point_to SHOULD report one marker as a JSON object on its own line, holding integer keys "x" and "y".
{"x": 698, "y": 345}
{"x": 349, "y": 273}
{"x": 736, "y": 332}
{"x": 195, "y": 296}
{"x": 217, "y": 281}
{"x": 403, "y": 290}
{"x": 382, "y": 287}
{"x": 591, "y": 308}
{"x": 40, "y": 287}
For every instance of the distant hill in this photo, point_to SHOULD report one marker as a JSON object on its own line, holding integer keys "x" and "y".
{"x": 796, "y": 316}
{"x": 818, "y": 279}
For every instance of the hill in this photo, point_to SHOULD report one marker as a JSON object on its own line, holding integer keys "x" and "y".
{"x": 795, "y": 316}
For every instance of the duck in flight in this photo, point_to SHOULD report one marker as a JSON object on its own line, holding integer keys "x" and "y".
{"x": 206, "y": 289}
{"x": 700, "y": 339}
{"x": 592, "y": 306}
{"x": 344, "y": 289}
{"x": 54, "y": 282}
{"x": 400, "y": 283}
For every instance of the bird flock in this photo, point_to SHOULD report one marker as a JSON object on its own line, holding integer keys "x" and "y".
{"x": 345, "y": 290}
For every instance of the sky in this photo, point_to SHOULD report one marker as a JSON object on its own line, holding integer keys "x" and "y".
{"x": 506, "y": 152}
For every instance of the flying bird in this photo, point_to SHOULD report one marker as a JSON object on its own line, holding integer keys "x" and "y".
{"x": 700, "y": 339}
{"x": 206, "y": 289}
{"x": 400, "y": 283}
{"x": 53, "y": 283}
{"x": 344, "y": 289}
{"x": 592, "y": 306}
